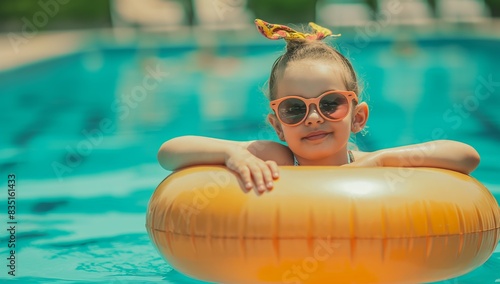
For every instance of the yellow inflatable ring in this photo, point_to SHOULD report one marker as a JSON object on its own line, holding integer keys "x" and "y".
{"x": 324, "y": 225}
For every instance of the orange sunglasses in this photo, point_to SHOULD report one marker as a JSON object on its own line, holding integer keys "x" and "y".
{"x": 332, "y": 106}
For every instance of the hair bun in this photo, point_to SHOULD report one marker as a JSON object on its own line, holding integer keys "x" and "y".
{"x": 275, "y": 32}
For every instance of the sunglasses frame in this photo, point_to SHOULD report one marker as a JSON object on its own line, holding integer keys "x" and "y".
{"x": 349, "y": 95}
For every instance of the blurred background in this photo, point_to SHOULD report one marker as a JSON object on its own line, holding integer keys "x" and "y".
{"x": 67, "y": 66}
{"x": 178, "y": 13}
{"x": 89, "y": 90}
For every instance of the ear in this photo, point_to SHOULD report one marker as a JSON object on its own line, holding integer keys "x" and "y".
{"x": 273, "y": 120}
{"x": 360, "y": 117}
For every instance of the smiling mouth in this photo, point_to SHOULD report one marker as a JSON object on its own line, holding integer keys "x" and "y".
{"x": 316, "y": 136}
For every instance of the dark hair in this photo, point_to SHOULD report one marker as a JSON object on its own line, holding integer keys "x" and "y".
{"x": 312, "y": 49}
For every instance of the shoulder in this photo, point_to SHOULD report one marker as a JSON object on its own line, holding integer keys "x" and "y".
{"x": 270, "y": 150}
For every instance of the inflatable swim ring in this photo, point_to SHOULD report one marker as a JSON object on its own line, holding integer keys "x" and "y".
{"x": 324, "y": 225}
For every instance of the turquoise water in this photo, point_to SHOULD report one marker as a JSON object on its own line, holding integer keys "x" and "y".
{"x": 81, "y": 134}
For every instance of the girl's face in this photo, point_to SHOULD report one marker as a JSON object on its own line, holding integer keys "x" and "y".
{"x": 315, "y": 141}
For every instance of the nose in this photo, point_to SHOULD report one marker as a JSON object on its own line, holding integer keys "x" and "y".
{"x": 313, "y": 117}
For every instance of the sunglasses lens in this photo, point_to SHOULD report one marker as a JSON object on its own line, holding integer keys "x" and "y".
{"x": 334, "y": 106}
{"x": 292, "y": 111}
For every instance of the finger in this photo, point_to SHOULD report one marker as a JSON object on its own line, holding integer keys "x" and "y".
{"x": 266, "y": 176}
{"x": 274, "y": 168}
{"x": 268, "y": 173}
{"x": 246, "y": 176}
{"x": 258, "y": 177}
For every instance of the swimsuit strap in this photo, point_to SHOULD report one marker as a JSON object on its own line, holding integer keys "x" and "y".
{"x": 350, "y": 158}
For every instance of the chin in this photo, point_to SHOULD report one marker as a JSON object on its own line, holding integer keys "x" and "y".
{"x": 318, "y": 153}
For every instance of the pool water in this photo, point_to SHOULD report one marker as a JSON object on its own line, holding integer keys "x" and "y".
{"x": 81, "y": 132}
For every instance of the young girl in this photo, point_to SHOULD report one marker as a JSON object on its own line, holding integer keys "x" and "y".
{"x": 314, "y": 95}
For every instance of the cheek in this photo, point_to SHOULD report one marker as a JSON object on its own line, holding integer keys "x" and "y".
{"x": 293, "y": 140}
{"x": 290, "y": 133}
{"x": 344, "y": 125}
{"x": 348, "y": 120}
{"x": 345, "y": 130}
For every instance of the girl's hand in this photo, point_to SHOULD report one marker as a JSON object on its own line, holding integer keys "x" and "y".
{"x": 254, "y": 172}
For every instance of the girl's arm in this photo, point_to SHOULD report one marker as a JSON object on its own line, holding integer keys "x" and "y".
{"x": 255, "y": 161}
{"x": 187, "y": 151}
{"x": 444, "y": 154}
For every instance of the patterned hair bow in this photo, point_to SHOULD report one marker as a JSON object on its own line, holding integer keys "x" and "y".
{"x": 274, "y": 31}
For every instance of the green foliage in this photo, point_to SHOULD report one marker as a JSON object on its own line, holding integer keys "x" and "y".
{"x": 96, "y": 13}
{"x": 494, "y": 7}
{"x": 74, "y": 14}
{"x": 284, "y": 11}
